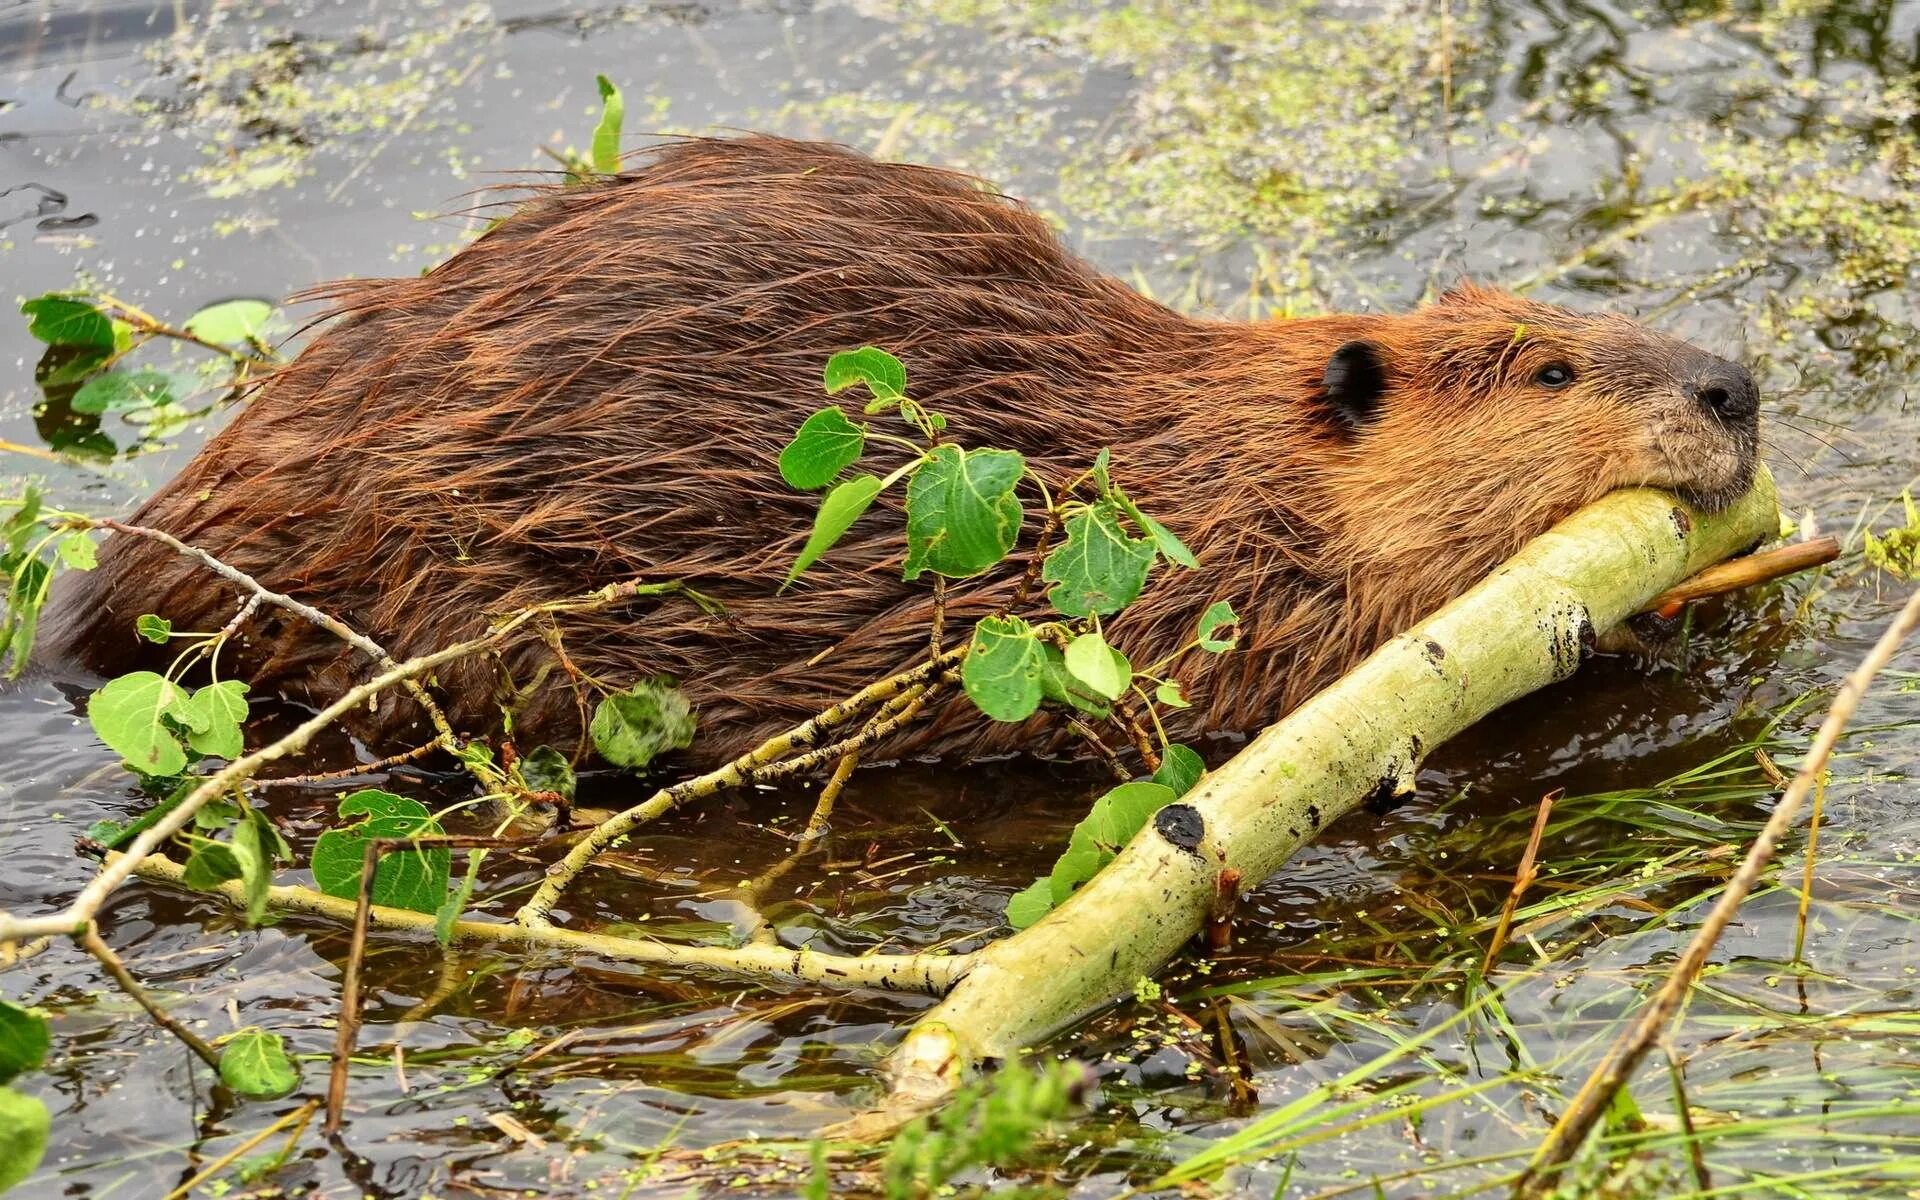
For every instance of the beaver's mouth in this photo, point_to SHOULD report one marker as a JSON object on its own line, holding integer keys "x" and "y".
{"x": 1714, "y": 496}
{"x": 1708, "y": 463}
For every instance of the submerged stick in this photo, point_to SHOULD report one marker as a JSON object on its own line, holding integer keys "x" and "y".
{"x": 929, "y": 974}
{"x": 1571, "y": 1130}
{"x": 1528, "y": 624}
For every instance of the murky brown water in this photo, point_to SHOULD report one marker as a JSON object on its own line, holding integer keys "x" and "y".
{"x": 1736, "y": 174}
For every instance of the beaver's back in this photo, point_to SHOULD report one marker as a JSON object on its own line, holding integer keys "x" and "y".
{"x": 598, "y": 389}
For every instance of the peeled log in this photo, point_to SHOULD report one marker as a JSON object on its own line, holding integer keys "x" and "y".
{"x": 1526, "y": 625}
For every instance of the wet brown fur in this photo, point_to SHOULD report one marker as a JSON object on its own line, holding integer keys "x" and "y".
{"x": 597, "y": 389}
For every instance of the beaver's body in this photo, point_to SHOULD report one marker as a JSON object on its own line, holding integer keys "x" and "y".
{"x": 598, "y": 389}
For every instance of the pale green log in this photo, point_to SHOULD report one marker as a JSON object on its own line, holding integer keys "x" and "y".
{"x": 1526, "y": 625}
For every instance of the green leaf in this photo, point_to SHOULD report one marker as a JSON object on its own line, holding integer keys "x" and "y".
{"x": 126, "y": 715}
{"x": 1099, "y": 569}
{"x": 124, "y": 391}
{"x": 1029, "y": 904}
{"x": 22, "y": 524}
{"x": 1103, "y": 471}
{"x": 154, "y": 629}
{"x": 231, "y": 322}
{"x": 256, "y": 843}
{"x": 24, "y": 1123}
{"x": 962, "y": 514}
{"x": 547, "y": 770}
{"x": 1099, "y": 666}
{"x": 1180, "y": 769}
{"x": 210, "y": 865}
{"x": 1108, "y": 826}
{"x": 606, "y": 135}
{"x": 26, "y": 596}
{"x": 838, "y": 511}
{"x": 1059, "y": 685}
{"x": 1170, "y": 695}
{"x": 24, "y": 1039}
{"x": 825, "y": 445}
{"x": 214, "y": 716}
{"x": 630, "y": 728}
{"x": 414, "y": 878}
{"x": 1003, "y": 668}
{"x": 456, "y": 903}
{"x": 77, "y": 550}
{"x": 883, "y": 374}
{"x": 1219, "y": 615}
{"x": 1172, "y": 547}
{"x": 255, "y": 1064}
{"x": 68, "y": 321}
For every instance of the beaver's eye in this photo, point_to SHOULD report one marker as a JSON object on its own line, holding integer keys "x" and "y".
{"x": 1554, "y": 375}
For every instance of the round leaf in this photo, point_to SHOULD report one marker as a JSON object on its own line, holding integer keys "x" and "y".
{"x": 255, "y": 1064}
{"x": 1003, "y": 669}
{"x": 231, "y": 322}
{"x": 1170, "y": 695}
{"x": 1180, "y": 768}
{"x": 124, "y": 391}
{"x": 214, "y": 716}
{"x": 1099, "y": 569}
{"x": 825, "y": 445}
{"x": 630, "y": 728}
{"x": 1102, "y": 668}
{"x": 1059, "y": 685}
{"x": 962, "y": 514}
{"x": 414, "y": 878}
{"x": 547, "y": 770}
{"x": 1164, "y": 541}
{"x": 24, "y": 1123}
{"x": 153, "y": 629}
{"x": 126, "y": 715}
{"x": 1029, "y": 904}
{"x": 1219, "y": 616}
{"x": 24, "y": 1039}
{"x": 210, "y": 865}
{"x": 883, "y": 374}
{"x": 65, "y": 321}
{"x": 77, "y": 550}
{"x": 838, "y": 511}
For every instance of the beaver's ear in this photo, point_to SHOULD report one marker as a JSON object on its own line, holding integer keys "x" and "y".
{"x": 1355, "y": 380}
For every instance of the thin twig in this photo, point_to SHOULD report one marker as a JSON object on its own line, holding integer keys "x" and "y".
{"x": 1570, "y": 1132}
{"x": 1129, "y": 720}
{"x": 1701, "y": 1180}
{"x": 929, "y": 974}
{"x": 85, "y": 906}
{"x": 91, "y": 942}
{"x": 756, "y": 764}
{"x": 1806, "y": 870}
{"x": 298, "y": 1118}
{"x": 1106, "y": 753}
{"x": 359, "y": 641}
{"x": 1523, "y": 877}
{"x": 373, "y": 768}
{"x": 1744, "y": 572}
{"x": 348, "y": 1029}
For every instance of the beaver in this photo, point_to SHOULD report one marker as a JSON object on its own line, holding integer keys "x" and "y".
{"x": 598, "y": 388}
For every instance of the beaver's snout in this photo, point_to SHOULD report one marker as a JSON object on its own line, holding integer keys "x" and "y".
{"x": 1726, "y": 389}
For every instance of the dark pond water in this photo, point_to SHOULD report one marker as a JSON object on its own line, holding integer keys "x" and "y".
{"x": 1744, "y": 175}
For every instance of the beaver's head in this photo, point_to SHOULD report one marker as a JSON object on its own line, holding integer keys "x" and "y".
{"x": 1493, "y": 392}
{"x": 1467, "y": 427}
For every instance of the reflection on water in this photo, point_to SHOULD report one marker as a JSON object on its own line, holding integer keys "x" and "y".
{"x": 1746, "y": 175}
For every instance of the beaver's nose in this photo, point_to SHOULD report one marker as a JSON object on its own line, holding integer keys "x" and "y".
{"x": 1727, "y": 388}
